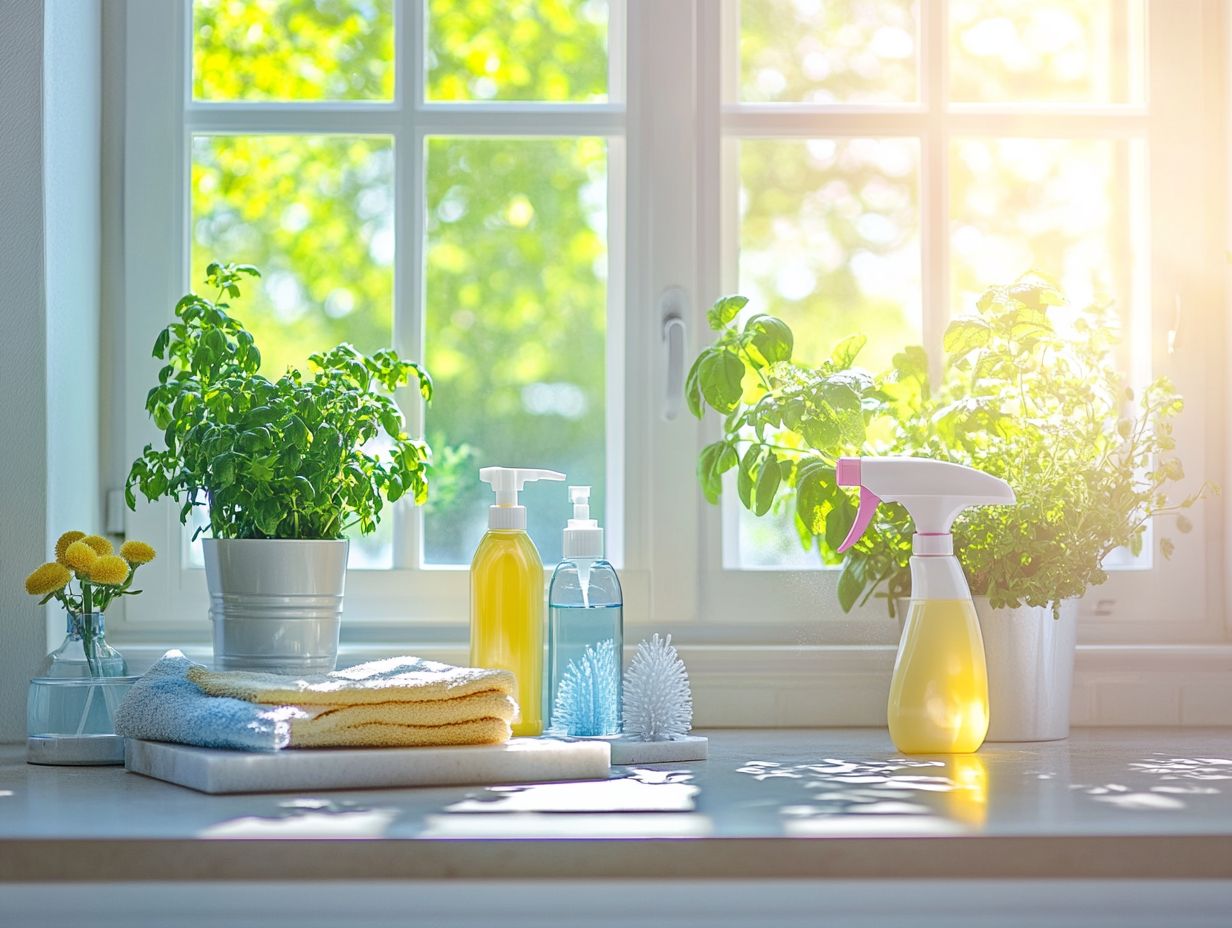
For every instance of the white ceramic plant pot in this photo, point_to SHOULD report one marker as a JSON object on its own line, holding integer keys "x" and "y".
{"x": 1030, "y": 658}
{"x": 276, "y": 605}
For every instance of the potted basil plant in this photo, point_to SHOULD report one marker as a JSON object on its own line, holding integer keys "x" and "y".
{"x": 1030, "y": 392}
{"x": 283, "y": 468}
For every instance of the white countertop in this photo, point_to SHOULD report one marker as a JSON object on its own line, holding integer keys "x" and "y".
{"x": 768, "y": 803}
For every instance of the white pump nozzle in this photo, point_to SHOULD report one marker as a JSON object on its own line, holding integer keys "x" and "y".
{"x": 508, "y": 483}
{"x": 583, "y": 537}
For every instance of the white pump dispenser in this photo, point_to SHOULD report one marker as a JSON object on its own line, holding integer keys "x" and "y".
{"x": 508, "y": 483}
{"x": 583, "y": 539}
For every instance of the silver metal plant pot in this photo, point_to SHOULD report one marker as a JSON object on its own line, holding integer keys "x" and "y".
{"x": 1030, "y": 657}
{"x": 276, "y": 605}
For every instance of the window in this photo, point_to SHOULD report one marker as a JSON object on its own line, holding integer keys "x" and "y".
{"x": 520, "y": 194}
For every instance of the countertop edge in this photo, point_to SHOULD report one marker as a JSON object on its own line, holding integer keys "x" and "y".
{"x": 1207, "y": 857}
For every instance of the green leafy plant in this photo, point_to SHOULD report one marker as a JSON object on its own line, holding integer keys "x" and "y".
{"x": 1030, "y": 391}
{"x": 291, "y": 458}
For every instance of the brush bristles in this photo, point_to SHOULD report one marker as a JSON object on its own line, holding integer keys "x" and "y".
{"x": 658, "y": 704}
{"x": 585, "y": 705}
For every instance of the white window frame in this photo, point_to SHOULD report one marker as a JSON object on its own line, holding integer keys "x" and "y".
{"x": 671, "y": 226}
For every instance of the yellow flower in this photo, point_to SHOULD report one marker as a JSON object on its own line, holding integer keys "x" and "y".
{"x": 109, "y": 570}
{"x": 65, "y": 540}
{"x": 79, "y": 556}
{"x": 136, "y": 552}
{"x": 48, "y": 579}
{"x": 100, "y": 544}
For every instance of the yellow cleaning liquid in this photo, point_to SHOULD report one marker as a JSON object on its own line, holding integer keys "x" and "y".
{"x": 507, "y": 618}
{"x": 939, "y": 694}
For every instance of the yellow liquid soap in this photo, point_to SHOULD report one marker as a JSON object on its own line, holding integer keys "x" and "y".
{"x": 507, "y": 618}
{"x": 939, "y": 694}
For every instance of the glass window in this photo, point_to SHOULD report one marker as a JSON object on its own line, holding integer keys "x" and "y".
{"x": 493, "y": 50}
{"x": 515, "y": 321}
{"x": 293, "y": 50}
{"x": 829, "y": 51}
{"x": 1056, "y": 51}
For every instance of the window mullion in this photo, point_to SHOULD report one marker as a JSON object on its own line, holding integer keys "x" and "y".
{"x": 408, "y": 249}
{"x": 934, "y": 192}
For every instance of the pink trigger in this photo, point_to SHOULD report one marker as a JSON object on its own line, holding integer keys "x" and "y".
{"x": 864, "y": 515}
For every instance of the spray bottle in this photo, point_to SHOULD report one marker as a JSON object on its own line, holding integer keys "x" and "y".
{"x": 507, "y": 595}
{"x": 939, "y": 692}
{"x": 585, "y": 631}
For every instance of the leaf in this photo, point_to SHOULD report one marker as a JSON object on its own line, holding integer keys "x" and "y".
{"x": 771, "y": 337}
{"x": 768, "y": 479}
{"x": 840, "y": 520}
{"x": 814, "y": 486}
{"x": 693, "y": 386}
{"x": 715, "y": 460}
{"x": 745, "y": 475}
{"x": 848, "y": 350}
{"x": 964, "y": 335}
{"x": 721, "y": 375}
{"x": 850, "y": 582}
{"x": 1029, "y": 325}
{"x": 911, "y": 364}
{"x": 724, "y": 310}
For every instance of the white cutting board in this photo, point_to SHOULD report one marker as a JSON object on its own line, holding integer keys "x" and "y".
{"x": 522, "y": 760}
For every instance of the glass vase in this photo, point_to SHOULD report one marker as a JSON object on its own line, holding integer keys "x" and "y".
{"x": 70, "y": 708}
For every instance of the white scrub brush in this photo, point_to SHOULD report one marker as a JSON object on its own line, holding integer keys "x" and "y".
{"x": 658, "y": 705}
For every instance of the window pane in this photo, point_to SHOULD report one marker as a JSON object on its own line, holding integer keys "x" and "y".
{"x": 829, "y": 51}
{"x": 293, "y": 50}
{"x": 830, "y": 243}
{"x": 516, "y": 317}
{"x": 315, "y": 214}
{"x": 1047, "y": 51}
{"x": 547, "y": 50}
{"x": 1060, "y": 207}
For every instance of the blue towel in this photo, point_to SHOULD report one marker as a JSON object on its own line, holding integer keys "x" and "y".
{"x": 164, "y": 705}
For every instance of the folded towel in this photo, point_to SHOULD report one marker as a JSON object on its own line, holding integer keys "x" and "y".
{"x": 166, "y": 705}
{"x": 395, "y": 679}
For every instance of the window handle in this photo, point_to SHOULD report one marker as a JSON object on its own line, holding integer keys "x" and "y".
{"x": 672, "y": 305}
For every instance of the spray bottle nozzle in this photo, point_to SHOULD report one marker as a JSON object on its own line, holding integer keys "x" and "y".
{"x": 933, "y": 492}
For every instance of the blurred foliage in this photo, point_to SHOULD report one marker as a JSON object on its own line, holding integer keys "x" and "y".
{"x": 1053, "y": 51}
{"x": 829, "y": 51}
{"x": 516, "y": 318}
{"x": 316, "y": 214}
{"x": 553, "y": 50}
{"x": 293, "y": 50}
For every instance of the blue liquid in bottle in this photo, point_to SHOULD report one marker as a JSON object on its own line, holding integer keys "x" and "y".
{"x": 585, "y": 647}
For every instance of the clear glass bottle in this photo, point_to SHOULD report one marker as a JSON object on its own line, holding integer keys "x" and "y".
{"x": 585, "y": 632}
{"x": 71, "y": 704}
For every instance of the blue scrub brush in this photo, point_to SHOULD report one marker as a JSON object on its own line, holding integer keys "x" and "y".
{"x": 658, "y": 705}
{"x": 586, "y": 700}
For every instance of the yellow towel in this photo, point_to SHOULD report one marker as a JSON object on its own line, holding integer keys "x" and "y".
{"x": 397, "y": 702}
{"x": 327, "y": 731}
{"x": 395, "y": 679}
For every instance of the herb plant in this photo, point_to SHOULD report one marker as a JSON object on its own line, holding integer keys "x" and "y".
{"x": 290, "y": 458}
{"x": 1030, "y": 392}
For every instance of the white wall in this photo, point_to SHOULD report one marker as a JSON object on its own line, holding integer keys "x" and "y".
{"x": 49, "y": 243}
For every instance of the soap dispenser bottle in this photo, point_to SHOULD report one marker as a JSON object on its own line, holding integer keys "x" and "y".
{"x": 585, "y": 632}
{"x": 507, "y": 595}
{"x": 939, "y": 692}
